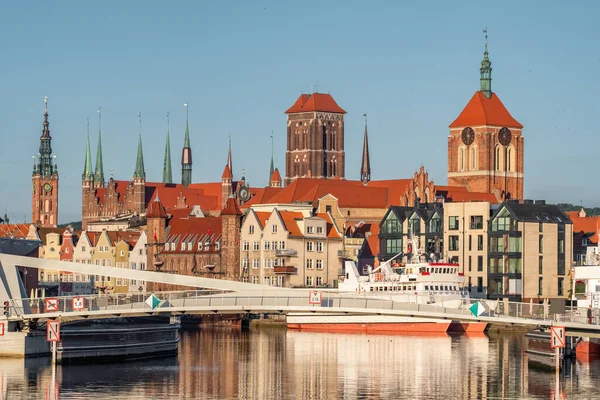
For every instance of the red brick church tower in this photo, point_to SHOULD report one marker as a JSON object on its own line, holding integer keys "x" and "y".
{"x": 485, "y": 145}
{"x": 315, "y": 138}
{"x": 44, "y": 180}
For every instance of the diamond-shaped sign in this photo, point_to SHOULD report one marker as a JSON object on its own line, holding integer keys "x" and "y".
{"x": 477, "y": 309}
{"x": 152, "y": 301}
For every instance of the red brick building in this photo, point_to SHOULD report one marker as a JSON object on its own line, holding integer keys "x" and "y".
{"x": 485, "y": 145}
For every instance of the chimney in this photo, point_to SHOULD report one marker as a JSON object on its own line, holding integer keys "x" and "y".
{"x": 529, "y": 202}
{"x": 540, "y": 202}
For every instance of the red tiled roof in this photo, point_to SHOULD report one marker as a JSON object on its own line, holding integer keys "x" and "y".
{"x": 193, "y": 230}
{"x": 276, "y": 177}
{"x": 262, "y": 196}
{"x": 332, "y": 233}
{"x": 15, "y": 231}
{"x": 156, "y": 210}
{"x": 262, "y": 218}
{"x": 227, "y": 173}
{"x": 315, "y": 102}
{"x": 588, "y": 225}
{"x": 231, "y": 208}
{"x": 289, "y": 219}
{"x": 481, "y": 110}
{"x": 93, "y": 237}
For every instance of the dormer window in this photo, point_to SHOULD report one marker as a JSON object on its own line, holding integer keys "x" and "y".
{"x": 309, "y": 229}
{"x": 189, "y": 246}
{"x": 182, "y": 246}
{"x": 218, "y": 247}
{"x": 319, "y": 229}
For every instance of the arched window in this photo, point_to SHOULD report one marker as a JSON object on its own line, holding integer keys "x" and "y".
{"x": 473, "y": 161}
{"x": 461, "y": 158}
{"x": 510, "y": 159}
{"x": 499, "y": 158}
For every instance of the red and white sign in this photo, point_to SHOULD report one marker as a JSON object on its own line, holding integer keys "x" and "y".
{"x": 557, "y": 337}
{"x": 53, "y": 331}
{"x": 1, "y": 328}
{"x": 314, "y": 297}
{"x": 51, "y": 305}
{"x": 78, "y": 303}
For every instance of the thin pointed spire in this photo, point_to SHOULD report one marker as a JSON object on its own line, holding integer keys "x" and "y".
{"x": 272, "y": 160}
{"x": 88, "y": 173}
{"x": 229, "y": 163}
{"x": 186, "y": 154}
{"x": 140, "y": 172}
{"x": 45, "y": 165}
{"x": 99, "y": 171}
{"x": 365, "y": 169}
{"x": 167, "y": 171}
{"x": 486, "y": 70}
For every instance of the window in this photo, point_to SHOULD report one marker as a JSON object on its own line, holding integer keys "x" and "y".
{"x": 256, "y": 246}
{"x": 479, "y": 284}
{"x": 122, "y": 252}
{"x": 479, "y": 242}
{"x": 470, "y": 242}
{"x": 255, "y": 279}
{"x": 319, "y": 281}
{"x": 461, "y": 158}
{"x": 282, "y": 245}
{"x": 320, "y": 247}
{"x": 453, "y": 243}
{"x": 540, "y": 286}
{"x": 327, "y": 209}
{"x": 143, "y": 266}
{"x": 189, "y": 246}
{"x": 391, "y": 225}
{"x": 453, "y": 223}
{"x": 561, "y": 246}
{"x": 245, "y": 262}
{"x": 199, "y": 246}
{"x": 499, "y": 158}
{"x": 267, "y": 246}
{"x": 503, "y": 222}
{"x": 561, "y": 284}
{"x": 266, "y": 280}
{"x": 479, "y": 263}
{"x": 251, "y": 229}
{"x": 319, "y": 264}
{"x": 470, "y": 263}
{"x": 541, "y": 265}
{"x": 414, "y": 224}
{"x": 393, "y": 246}
{"x": 514, "y": 244}
{"x": 309, "y": 246}
{"x": 82, "y": 248}
{"x": 541, "y": 227}
{"x": 435, "y": 224}
{"x": 541, "y": 243}
{"x": 182, "y": 246}
{"x": 119, "y": 282}
{"x": 274, "y": 245}
{"x": 246, "y": 246}
{"x": 274, "y": 228}
{"x": 255, "y": 263}
{"x": 67, "y": 250}
{"x": 476, "y": 221}
{"x": 133, "y": 265}
{"x": 309, "y": 229}
{"x": 309, "y": 264}
{"x": 473, "y": 158}
{"x": 309, "y": 281}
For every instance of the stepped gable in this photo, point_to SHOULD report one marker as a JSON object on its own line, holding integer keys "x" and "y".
{"x": 315, "y": 102}
{"x": 484, "y": 111}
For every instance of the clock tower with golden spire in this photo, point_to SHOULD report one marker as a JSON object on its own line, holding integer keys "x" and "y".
{"x": 44, "y": 196}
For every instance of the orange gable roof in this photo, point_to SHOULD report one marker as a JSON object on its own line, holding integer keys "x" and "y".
{"x": 588, "y": 225}
{"x": 331, "y": 230}
{"x": 15, "y": 231}
{"x": 315, "y": 102}
{"x": 483, "y": 111}
{"x": 289, "y": 219}
{"x": 276, "y": 176}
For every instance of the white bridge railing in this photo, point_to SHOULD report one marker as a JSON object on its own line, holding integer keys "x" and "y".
{"x": 202, "y": 301}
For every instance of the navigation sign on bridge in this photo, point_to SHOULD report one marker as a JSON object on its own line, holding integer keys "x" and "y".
{"x": 53, "y": 331}
{"x": 477, "y": 309}
{"x": 153, "y": 301}
{"x": 557, "y": 337}
{"x": 51, "y": 305}
{"x": 78, "y": 303}
{"x": 314, "y": 297}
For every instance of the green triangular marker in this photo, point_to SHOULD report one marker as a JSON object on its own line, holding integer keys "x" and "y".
{"x": 152, "y": 301}
{"x": 476, "y": 309}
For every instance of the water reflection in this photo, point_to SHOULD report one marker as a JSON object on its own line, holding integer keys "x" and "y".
{"x": 227, "y": 363}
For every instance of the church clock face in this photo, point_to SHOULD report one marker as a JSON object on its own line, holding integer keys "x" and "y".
{"x": 504, "y": 136}
{"x": 468, "y": 135}
{"x": 47, "y": 187}
{"x": 244, "y": 194}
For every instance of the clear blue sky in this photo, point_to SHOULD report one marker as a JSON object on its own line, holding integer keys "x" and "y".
{"x": 412, "y": 66}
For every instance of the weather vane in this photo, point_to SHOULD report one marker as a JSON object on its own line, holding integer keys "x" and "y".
{"x": 486, "y": 34}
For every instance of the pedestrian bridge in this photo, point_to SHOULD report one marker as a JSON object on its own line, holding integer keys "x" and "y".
{"x": 230, "y": 297}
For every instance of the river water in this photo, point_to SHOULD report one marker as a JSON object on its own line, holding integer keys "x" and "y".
{"x": 272, "y": 363}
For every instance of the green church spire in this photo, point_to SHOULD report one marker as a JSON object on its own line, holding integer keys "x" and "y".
{"x": 88, "y": 173}
{"x": 167, "y": 172}
{"x": 486, "y": 71}
{"x": 99, "y": 172}
{"x": 186, "y": 154}
{"x": 139, "y": 162}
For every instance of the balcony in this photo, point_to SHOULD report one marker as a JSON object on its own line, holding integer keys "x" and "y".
{"x": 286, "y": 253}
{"x": 284, "y": 270}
